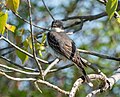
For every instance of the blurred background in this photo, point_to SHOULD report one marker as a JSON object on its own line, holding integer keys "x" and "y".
{"x": 101, "y": 35}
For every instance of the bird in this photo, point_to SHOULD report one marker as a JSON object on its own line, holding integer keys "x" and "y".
{"x": 62, "y": 46}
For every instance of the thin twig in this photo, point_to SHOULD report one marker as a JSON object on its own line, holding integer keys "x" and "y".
{"x": 9, "y": 47}
{"x": 6, "y": 71}
{"x": 74, "y": 24}
{"x": 84, "y": 19}
{"x": 48, "y": 10}
{"x": 36, "y": 85}
{"x": 18, "y": 70}
{"x": 50, "y": 66}
{"x": 8, "y": 52}
{"x": 88, "y": 18}
{"x": 29, "y": 22}
{"x": 53, "y": 86}
{"x": 17, "y": 79}
{"x": 17, "y": 65}
{"x": 33, "y": 41}
{"x": 99, "y": 55}
{"x": 61, "y": 68}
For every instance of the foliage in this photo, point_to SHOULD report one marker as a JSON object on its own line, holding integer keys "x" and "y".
{"x": 111, "y": 7}
{"x": 3, "y": 20}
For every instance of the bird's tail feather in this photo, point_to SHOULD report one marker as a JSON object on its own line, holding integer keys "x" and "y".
{"x": 87, "y": 79}
{"x": 80, "y": 64}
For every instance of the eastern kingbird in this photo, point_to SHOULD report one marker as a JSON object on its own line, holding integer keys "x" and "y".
{"x": 64, "y": 47}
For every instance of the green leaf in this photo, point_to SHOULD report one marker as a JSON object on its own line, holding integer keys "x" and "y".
{"x": 10, "y": 27}
{"x": 26, "y": 44}
{"x": 42, "y": 47}
{"x": 111, "y": 7}
{"x": 43, "y": 38}
{"x": 30, "y": 42}
{"x": 22, "y": 56}
{"x": 40, "y": 53}
{"x": 3, "y": 20}
{"x": 13, "y": 5}
{"x": 118, "y": 20}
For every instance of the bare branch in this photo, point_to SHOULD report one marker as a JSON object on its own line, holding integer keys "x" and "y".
{"x": 79, "y": 82}
{"x": 84, "y": 19}
{"x": 17, "y": 65}
{"x": 98, "y": 54}
{"x": 17, "y": 79}
{"x": 29, "y": 22}
{"x": 36, "y": 85}
{"x": 48, "y": 10}
{"x": 50, "y": 66}
{"x": 33, "y": 41}
{"x": 108, "y": 85}
{"x": 93, "y": 93}
{"x": 75, "y": 87}
{"x": 61, "y": 68}
{"x": 18, "y": 70}
{"x": 53, "y": 86}
{"x": 87, "y": 18}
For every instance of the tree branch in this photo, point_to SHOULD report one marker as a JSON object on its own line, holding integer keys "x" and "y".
{"x": 107, "y": 83}
{"x": 17, "y": 65}
{"x": 18, "y": 70}
{"x": 33, "y": 41}
{"x": 48, "y": 10}
{"x": 29, "y": 22}
{"x": 50, "y": 66}
{"x": 98, "y": 55}
{"x": 87, "y": 18}
{"x": 53, "y": 86}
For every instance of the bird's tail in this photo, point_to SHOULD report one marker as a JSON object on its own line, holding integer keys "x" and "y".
{"x": 80, "y": 64}
{"x": 87, "y": 79}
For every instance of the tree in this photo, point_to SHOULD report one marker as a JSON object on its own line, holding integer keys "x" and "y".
{"x": 25, "y": 65}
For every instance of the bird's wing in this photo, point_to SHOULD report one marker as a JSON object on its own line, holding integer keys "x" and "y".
{"x": 62, "y": 44}
{"x": 53, "y": 41}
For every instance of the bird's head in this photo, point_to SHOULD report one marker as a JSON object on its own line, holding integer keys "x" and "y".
{"x": 57, "y": 24}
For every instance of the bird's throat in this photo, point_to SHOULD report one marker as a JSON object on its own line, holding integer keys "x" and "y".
{"x": 56, "y": 29}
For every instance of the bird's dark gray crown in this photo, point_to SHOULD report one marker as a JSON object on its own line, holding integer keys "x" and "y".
{"x": 57, "y": 24}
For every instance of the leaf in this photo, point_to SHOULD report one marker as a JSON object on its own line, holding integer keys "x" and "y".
{"x": 22, "y": 56}
{"x": 111, "y": 7}
{"x": 40, "y": 53}
{"x": 13, "y": 5}
{"x": 118, "y": 20}
{"x": 42, "y": 47}
{"x": 26, "y": 44}
{"x": 43, "y": 38}
{"x": 3, "y": 20}
{"x": 10, "y": 27}
{"x": 30, "y": 42}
